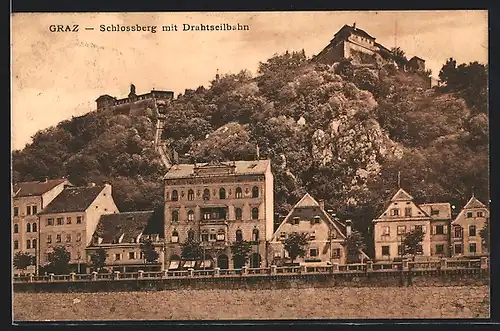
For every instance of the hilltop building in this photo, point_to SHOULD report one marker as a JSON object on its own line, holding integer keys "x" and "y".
{"x": 70, "y": 220}
{"x": 326, "y": 234}
{"x": 28, "y": 199}
{"x": 107, "y": 101}
{"x": 218, "y": 203}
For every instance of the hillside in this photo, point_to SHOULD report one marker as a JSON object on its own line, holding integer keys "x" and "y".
{"x": 340, "y": 132}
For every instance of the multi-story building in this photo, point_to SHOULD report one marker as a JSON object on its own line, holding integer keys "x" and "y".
{"x": 28, "y": 199}
{"x": 121, "y": 234}
{"x": 466, "y": 229}
{"x": 71, "y": 219}
{"x": 440, "y": 214}
{"x": 326, "y": 234}
{"x": 219, "y": 203}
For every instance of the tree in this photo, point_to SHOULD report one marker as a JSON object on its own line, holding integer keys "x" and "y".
{"x": 240, "y": 250}
{"x": 294, "y": 245}
{"x": 354, "y": 243}
{"x": 98, "y": 259}
{"x": 412, "y": 242}
{"x": 399, "y": 56}
{"x": 59, "y": 260}
{"x": 149, "y": 252}
{"x": 485, "y": 235}
{"x": 191, "y": 250}
{"x": 22, "y": 261}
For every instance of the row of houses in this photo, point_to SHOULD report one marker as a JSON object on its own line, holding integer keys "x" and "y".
{"x": 217, "y": 204}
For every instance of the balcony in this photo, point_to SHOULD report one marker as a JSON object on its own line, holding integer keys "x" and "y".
{"x": 219, "y": 221}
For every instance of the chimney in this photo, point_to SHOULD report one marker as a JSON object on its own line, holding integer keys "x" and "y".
{"x": 91, "y": 184}
{"x": 257, "y": 152}
{"x": 46, "y": 179}
{"x": 354, "y": 25}
{"x": 348, "y": 227}
{"x": 322, "y": 204}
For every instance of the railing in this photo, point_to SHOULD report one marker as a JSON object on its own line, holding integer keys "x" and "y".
{"x": 360, "y": 268}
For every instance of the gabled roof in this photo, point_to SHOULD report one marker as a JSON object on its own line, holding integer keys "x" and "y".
{"x": 105, "y": 96}
{"x": 128, "y": 226}
{"x": 240, "y": 168}
{"x": 36, "y": 188}
{"x": 401, "y": 195}
{"x": 443, "y": 210}
{"x": 73, "y": 199}
{"x": 417, "y": 58}
{"x": 474, "y": 203}
{"x": 355, "y": 30}
{"x": 308, "y": 201}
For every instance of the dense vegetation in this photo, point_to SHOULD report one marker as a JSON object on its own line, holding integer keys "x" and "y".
{"x": 340, "y": 132}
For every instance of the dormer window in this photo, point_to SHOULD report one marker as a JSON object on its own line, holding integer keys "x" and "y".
{"x": 296, "y": 220}
{"x": 316, "y": 220}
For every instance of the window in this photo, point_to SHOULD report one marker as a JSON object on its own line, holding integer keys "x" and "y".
{"x": 28, "y": 227}
{"x": 34, "y": 210}
{"x": 190, "y": 235}
{"x": 420, "y": 249}
{"x": 419, "y": 228}
{"x": 255, "y": 192}
{"x": 239, "y": 235}
{"x": 255, "y": 235}
{"x": 472, "y": 247}
{"x": 78, "y": 220}
{"x": 118, "y": 257}
{"x": 16, "y": 228}
{"x": 78, "y": 237}
{"x": 68, "y": 238}
{"x": 175, "y": 237}
{"x": 28, "y": 244}
{"x": 33, "y": 243}
{"x": 50, "y": 221}
{"x": 190, "y": 215}
{"x": 458, "y": 249}
{"x": 439, "y": 249}
{"x": 255, "y": 213}
{"x": 212, "y": 237}
{"x": 34, "y": 227}
{"x": 221, "y": 236}
{"x": 59, "y": 221}
{"x": 316, "y": 220}
{"x": 222, "y": 193}
{"x": 296, "y": 220}
{"x": 49, "y": 239}
{"x": 386, "y": 231}
{"x": 68, "y": 220}
{"x": 395, "y": 212}
{"x": 16, "y": 244}
{"x": 400, "y": 250}
{"x": 190, "y": 195}
{"x": 480, "y": 214}
{"x": 175, "y": 216}
{"x": 434, "y": 211}
{"x": 239, "y": 193}
{"x": 408, "y": 211}
{"x": 206, "y": 194}
{"x": 28, "y": 210}
{"x": 16, "y": 211}
{"x": 239, "y": 214}
{"x": 277, "y": 255}
{"x": 472, "y": 230}
{"x": 131, "y": 255}
{"x": 313, "y": 252}
{"x": 336, "y": 253}
{"x": 401, "y": 229}
{"x": 458, "y": 232}
{"x": 282, "y": 235}
{"x": 58, "y": 238}
{"x": 385, "y": 250}
{"x": 312, "y": 235}
{"x": 204, "y": 235}
{"x": 469, "y": 214}
{"x": 175, "y": 195}
{"x": 439, "y": 229}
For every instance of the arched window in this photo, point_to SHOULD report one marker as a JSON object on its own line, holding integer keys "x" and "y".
{"x": 28, "y": 244}
{"x": 16, "y": 228}
{"x": 255, "y": 213}
{"x": 255, "y": 192}
{"x": 204, "y": 235}
{"x": 28, "y": 227}
{"x": 239, "y": 214}
{"x": 206, "y": 194}
{"x": 33, "y": 228}
{"x": 221, "y": 235}
{"x": 255, "y": 235}
{"x": 190, "y": 195}
{"x": 175, "y": 236}
{"x": 190, "y": 215}
{"x": 190, "y": 235}
{"x": 175, "y": 216}
{"x": 239, "y": 235}
{"x": 175, "y": 195}
{"x": 16, "y": 244}
{"x": 222, "y": 193}
{"x": 33, "y": 243}
{"x": 239, "y": 193}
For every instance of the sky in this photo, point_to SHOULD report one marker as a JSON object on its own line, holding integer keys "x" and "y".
{"x": 57, "y": 75}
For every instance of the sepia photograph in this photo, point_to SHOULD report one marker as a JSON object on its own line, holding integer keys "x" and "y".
{"x": 223, "y": 166}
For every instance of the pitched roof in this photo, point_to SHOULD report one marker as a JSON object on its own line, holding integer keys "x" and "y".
{"x": 442, "y": 210}
{"x": 417, "y": 58}
{"x": 73, "y": 199}
{"x": 401, "y": 195}
{"x": 36, "y": 188}
{"x": 306, "y": 201}
{"x": 129, "y": 225}
{"x": 474, "y": 203}
{"x": 355, "y": 30}
{"x": 239, "y": 167}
